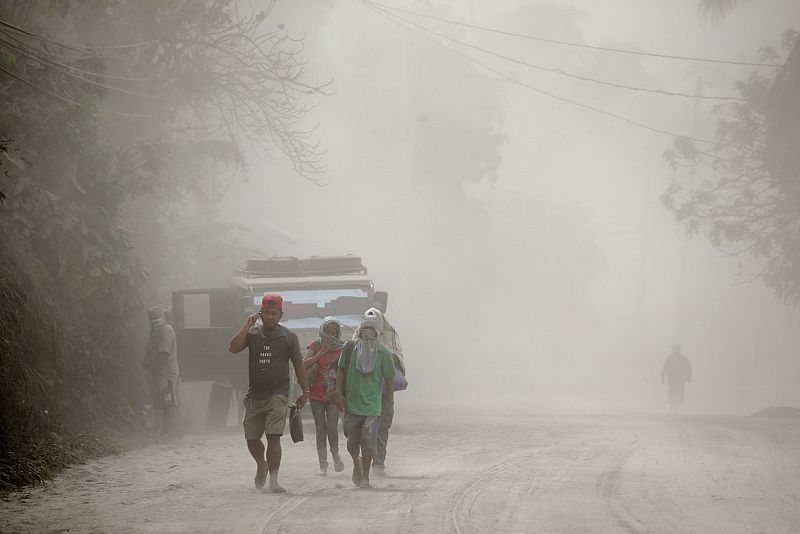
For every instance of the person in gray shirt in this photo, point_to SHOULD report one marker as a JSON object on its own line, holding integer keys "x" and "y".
{"x": 271, "y": 348}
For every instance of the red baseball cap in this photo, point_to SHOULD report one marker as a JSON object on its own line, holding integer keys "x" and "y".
{"x": 272, "y": 301}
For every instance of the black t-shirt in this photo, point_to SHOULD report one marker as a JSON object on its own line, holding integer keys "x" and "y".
{"x": 270, "y": 354}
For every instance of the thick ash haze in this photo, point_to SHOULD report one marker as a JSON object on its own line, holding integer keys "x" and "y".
{"x": 529, "y": 261}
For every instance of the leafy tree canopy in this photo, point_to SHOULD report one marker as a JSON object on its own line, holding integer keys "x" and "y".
{"x": 744, "y": 192}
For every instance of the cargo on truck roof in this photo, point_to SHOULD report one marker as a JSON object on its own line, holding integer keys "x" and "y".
{"x": 277, "y": 266}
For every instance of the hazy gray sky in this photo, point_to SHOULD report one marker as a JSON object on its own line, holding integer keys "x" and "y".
{"x": 522, "y": 240}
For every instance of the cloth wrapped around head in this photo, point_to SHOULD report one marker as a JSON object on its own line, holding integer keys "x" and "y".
{"x": 389, "y": 338}
{"x": 336, "y": 341}
{"x": 157, "y": 319}
{"x": 156, "y": 316}
{"x": 366, "y": 348}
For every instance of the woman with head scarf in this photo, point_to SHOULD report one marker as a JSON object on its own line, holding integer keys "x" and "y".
{"x": 322, "y": 362}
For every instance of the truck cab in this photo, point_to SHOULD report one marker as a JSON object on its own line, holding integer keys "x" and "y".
{"x": 312, "y": 288}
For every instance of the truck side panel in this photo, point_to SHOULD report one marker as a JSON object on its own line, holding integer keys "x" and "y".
{"x": 205, "y": 320}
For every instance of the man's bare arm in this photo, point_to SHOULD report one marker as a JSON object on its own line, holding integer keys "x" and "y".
{"x": 302, "y": 378}
{"x": 339, "y": 397}
{"x": 313, "y": 356}
{"x": 239, "y": 341}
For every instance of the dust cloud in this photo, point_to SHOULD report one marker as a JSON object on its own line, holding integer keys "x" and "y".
{"x": 529, "y": 261}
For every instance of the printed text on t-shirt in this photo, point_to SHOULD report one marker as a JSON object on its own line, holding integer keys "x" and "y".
{"x": 265, "y": 356}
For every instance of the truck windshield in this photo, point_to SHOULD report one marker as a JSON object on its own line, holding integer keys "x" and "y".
{"x": 318, "y": 303}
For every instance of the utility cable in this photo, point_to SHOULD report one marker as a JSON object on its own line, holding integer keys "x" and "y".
{"x": 68, "y": 101}
{"x": 43, "y": 90}
{"x": 572, "y": 44}
{"x": 570, "y": 74}
{"x": 75, "y": 49}
{"x": 34, "y": 54}
{"x": 394, "y": 19}
{"x": 69, "y": 72}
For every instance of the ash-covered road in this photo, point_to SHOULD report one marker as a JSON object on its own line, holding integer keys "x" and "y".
{"x": 450, "y": 472}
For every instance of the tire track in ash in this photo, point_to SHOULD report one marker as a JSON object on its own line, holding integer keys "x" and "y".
{"x": 443, "y": 455}
{"x": 462, "y": 507}
{"x": 609, "y": 485}
{"x": 519, "y": 492}
{"x": 754, "y": 473}
{"x": 532, "y": 481}
{"x": 508, "y": 488}
{"x": 463, "y": 504}
{"x": 705, "y": 468}
{"x": 406, "y": 502}
{"x": 274, "y": 521}
{"x": 774, "y": 472}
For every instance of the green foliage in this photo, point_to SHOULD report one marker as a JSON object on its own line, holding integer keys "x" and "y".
{"x": 57, "y": 389}
{"x": 743, "y": 193}
{"x": 44, "y": 458}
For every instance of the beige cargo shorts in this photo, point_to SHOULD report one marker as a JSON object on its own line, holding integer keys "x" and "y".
{"x": 265, "y": 416}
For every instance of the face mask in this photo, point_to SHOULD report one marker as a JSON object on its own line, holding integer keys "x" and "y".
{"x": 368, "y": 334}
{"x": 329, "y": 338}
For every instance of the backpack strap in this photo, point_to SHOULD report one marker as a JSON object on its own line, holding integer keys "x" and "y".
{"x": 347, "y": 350}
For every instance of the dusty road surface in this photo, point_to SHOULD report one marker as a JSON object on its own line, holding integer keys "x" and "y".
{"x": 449, "y": 472}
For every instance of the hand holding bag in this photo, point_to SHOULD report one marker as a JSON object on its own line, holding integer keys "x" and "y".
{"x": 295, "y": 423}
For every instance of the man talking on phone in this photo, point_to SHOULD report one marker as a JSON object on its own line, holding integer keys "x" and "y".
{"x": 271, "y": 348}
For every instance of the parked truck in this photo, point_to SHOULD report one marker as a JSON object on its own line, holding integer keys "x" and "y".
{"x": 312, "y": 288}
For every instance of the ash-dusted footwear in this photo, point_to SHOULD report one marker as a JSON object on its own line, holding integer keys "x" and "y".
{"x": 338, "y": 466}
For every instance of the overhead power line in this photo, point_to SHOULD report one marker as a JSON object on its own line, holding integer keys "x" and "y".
{"x": 571, "y": 74}
{"x": 19, "y": 46}
{"x": 42, "y": 89}
{"x": 67, "y": 100}
{"x": 568, "y": 43}
{"x": 73, "y": 72}
{"x": 399, "y": 21}
{"x": 74, "y": 48}
{"x": 36, "y": 55}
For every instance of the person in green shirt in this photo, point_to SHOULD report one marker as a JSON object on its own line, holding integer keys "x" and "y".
{"x": 363, "y": 367}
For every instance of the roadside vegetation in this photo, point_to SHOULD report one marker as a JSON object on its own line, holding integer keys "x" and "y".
{"x": 116, "y": 117}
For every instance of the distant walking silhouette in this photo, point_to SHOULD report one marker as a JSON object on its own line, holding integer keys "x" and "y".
{"x": 678, "y": 371}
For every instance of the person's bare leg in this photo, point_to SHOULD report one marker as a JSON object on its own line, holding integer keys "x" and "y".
{"x": 356, "y": 468}
{"x": 332, "y": 431}
{"x": 366, "y": 463}
{"x": 256, "y": 448}
{"x": 354, "y": 448}
{"x": 171, "y": 421}
{"x": 274, "y": 462}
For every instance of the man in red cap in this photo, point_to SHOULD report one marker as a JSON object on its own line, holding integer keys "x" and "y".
{"x": 272, "y": 347}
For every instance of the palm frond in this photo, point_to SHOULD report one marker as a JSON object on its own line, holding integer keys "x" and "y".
{"x": 714, "y": 11}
